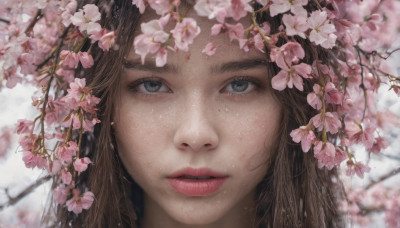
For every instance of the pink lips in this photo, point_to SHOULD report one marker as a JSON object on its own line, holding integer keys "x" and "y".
{"x": 196, "y": 182}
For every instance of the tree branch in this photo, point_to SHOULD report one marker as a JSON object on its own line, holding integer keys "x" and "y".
{"x": 25, "y": 192}
{"x": 34, "y": 21}
{"x": 382, "y": 178}
{"x": 4, "y": 20}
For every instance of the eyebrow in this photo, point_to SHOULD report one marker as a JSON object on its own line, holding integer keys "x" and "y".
{"x": 216, "y": 69}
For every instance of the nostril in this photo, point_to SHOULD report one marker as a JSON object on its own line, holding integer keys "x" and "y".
{"x": 207, "y": 145}
{"x": 185, "y": 144}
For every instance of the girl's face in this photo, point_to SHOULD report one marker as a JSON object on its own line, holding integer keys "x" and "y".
{"x": 196, "y": 134}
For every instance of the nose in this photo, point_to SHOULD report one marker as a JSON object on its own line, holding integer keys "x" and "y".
{"x": 195, "y": 130}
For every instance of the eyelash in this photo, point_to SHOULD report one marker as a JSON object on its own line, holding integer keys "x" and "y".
{"x": 256, "y": 84}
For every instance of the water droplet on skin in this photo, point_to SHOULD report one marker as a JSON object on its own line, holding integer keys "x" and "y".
{"x": 152, "y": 110}
{"x": 233, "y": 166}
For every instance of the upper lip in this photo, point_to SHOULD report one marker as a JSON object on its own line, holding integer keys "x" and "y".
{"x": 197, "y": 172}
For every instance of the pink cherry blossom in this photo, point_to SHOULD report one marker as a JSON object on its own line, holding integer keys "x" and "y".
{"x": 70, "y": 59}
{"x": 151, "y": 40}
{"x": 81, "y": 164}
{"x": 65, "y": 153}
{"x": 32, "y": 160}
{"x": 322, "y": 31}
{"x": 27, "y": 142}
{"x": 86, "y": 19}
{"x": 305, "y": 136}
{"x": 328, "y": 155}
{"x": 291, "y": 76}
{"x": 185, "y": 32}
{"x": 239, "y": 9}
{"x": 379, "y": 144}
{"x": 213, "y": 9}
{"x": 281, "y": 6}
{"x": 24, "y": 126}
{"x": 70, "y": 8}
{"x": 359, "y": 134}
{"x": 140, "y": 4}
{"x": 60, "y": 194}
{"x": 77, "y": 203}
{"x": 332, "y": 95}
{"x": 209, "y": 49}
{"x": 328, "y": 120}
{"x": 107, "y": 41}
{"x": 160, "y": 6}
{"x": 295, "y": 25}
{"x": 356, "y": 168}
{"x": 53, "y": 167}
{"x": 86, "y": 59}
{"x": 314, "y": 98}
{"x": 66, "y": 177}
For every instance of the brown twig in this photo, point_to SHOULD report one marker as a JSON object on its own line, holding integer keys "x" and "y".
{"x": 36, "y": 18}
{"x": 26, "y": 191}
{"x": 382, "y": 178}
{"x": 4, "y": 20}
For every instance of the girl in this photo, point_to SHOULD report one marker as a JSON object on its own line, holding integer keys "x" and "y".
{"x": 202, "y": 141}
{"x": 193, "y": 125}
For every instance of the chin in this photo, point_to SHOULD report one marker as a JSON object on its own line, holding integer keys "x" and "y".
{"x": 196, "y": 216}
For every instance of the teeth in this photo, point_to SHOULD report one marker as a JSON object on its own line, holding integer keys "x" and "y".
{"x": 197, "y": 177}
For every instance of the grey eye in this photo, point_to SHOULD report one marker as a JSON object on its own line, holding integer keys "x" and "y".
{"x": 152, "y": 86}
{"x": 240, "y": 86}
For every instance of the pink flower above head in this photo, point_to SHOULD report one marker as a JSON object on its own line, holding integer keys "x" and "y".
{"x": 322, "y": 31}
{"x": 151, "y": 40}
{"x": 70, "y": 59}
{"x": 70, "y": 8}
{"x": 86, "y": 19}
{"x": 213, "y": 9}
{"x": 305, "y": 136}
{"x": 291, "y": 76}
{"x": 160, "y": 6}
{"x": 185, "y": 32}
{"x": 281, "y": 6}
{"x": 332, "y": 95}
{"x": 328, "y": 120}
{"x": 295, "y": 25}
{"x": 209, "y": 49}
{"x": 77, "y": 203}
{"x": 86, "y": 59}
{"x": 239, "y": 9}
{"x": 81, "y": 164}
{"x": 287, "y": 54}
{"x": 235, "y": 32}
{"x": 140, "y": 4}
{"x": 107, "y": 41}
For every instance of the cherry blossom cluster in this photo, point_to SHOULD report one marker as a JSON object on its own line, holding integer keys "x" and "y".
{"x": 47, "y": 49}
{"x": 362, "y": 202}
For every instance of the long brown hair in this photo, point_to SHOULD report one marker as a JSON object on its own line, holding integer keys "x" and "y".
{"x": 294, "y": 192}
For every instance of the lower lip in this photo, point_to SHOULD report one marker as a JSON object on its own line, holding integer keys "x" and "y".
{"x": 192, "y": 187}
